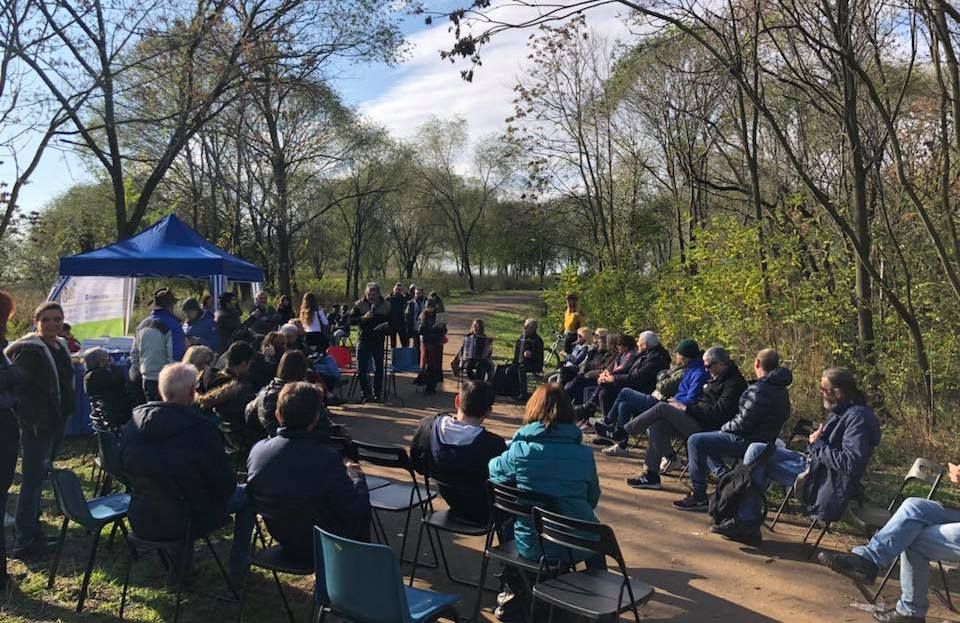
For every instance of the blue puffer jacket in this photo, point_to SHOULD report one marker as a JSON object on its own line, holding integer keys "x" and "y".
{"x": 763, "y": 408}
{"x": 838, "y": 459}
{"x": 551, "y": 461}
{"x": 204, "y": 330}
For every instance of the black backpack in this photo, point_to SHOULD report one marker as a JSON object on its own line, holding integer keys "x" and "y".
{"x": 734, "y": 486}
{"x": 509, "y": 380}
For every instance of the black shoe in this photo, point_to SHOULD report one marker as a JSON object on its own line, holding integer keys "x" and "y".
{"x": 892, "y": 616}
{"x": 692, "y": 504}
{"x": 583, "y": 412}
{"x": 602, "y": 429}
{"x": 364, "y": 398}
{"x": 732, "y": 530}
{"x": 853, "y": 566}
{"x": 645, "y": 481}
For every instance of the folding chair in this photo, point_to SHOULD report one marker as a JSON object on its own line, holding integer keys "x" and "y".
{"x": 506, "y": 503}
{"x": 344, "y": 359}
{"x": 349, "y": 452}
{"x": 447, "y": 521}
{"x": 361, "y": 582}
{"x": 394, "y": 497}
{"x": 872, "y": 518}
{"x": 282, "y": 515}
{"x": 801, "y": 430}
{"x": 596, "y": 594}
{"x": 168, "y": 489}
{"x": 94, "y": 515}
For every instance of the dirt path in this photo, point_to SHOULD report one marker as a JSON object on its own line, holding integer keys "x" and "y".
{"x": 698, "y": 576}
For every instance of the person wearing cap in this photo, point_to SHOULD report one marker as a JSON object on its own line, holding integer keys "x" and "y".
{"x": 200, "y": 328}
{"x": 158, "y": 341}
{"x": 719, "y": 386}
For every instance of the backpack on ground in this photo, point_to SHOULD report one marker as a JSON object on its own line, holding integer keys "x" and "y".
{"x": 734, "y": 486}
{"x": 509, "y": 380}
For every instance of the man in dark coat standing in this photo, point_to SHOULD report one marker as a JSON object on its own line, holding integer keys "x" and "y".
{"x": 398, "y": 327}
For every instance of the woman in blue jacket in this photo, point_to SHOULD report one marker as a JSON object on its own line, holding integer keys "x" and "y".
{"x": 546, "y": 456}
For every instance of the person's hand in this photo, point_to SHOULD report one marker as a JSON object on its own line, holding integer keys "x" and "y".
{"x": 656, "y": 394}
{"x": 954, "y": 473}
{"x": 368, "y": 315}
{"x": 527, "y": 354}
{"x": 354, "y": 470}
{"x": 676, "y": 404}
{"x": 816, "y": 434}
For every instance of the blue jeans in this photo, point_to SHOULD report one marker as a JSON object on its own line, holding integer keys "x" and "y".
{"x": 706, "y": 450}
{"x": 239, "y": 506}
{"x": 629, "y": 403}
{"x": 783, "y": 466}
{"x": 37, "y": 451}
{"x": 919, "y": 532}
{"x": 368, "y": 349}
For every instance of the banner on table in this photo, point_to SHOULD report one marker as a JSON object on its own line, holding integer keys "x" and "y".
{"x": 95, "y": 306}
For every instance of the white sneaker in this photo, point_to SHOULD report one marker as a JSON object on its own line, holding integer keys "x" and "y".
{"x": 616, "y": 450}
{"x": 667, "y": 463}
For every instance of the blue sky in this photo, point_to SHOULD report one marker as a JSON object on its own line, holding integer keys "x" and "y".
{"x": 400, "y": 97}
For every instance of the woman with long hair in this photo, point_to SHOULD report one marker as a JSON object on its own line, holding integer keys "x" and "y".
{"x": 285, "y": 308}
{"x": 433, "y": 328}
{"x": 315, "y": 323}
{"x": 10, "y": 378}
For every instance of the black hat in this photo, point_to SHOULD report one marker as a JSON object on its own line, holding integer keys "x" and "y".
{"x": 688, "y": 348}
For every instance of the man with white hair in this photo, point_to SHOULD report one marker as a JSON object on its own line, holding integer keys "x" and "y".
{"x": 641, "y": 376}
{"x": 171, "y": 440}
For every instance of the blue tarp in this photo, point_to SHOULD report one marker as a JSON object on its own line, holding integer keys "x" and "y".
{"x": 170, "y": 248}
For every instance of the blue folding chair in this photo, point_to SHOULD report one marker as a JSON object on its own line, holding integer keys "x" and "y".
{"x": 351, "y": 572}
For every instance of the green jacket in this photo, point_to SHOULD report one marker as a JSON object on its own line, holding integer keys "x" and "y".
{"x": 551, "y": 461}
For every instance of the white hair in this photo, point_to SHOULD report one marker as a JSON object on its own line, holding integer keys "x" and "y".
{"x": 530, "y": 322}
{"x": 649, "y": 338}
{"x": 288, "y": 329}
{"x": 93, "y": 356}
{"x": 177, "y": 382}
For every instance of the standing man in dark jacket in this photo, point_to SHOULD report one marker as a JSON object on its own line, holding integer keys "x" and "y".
{"x": 44, "y": 404}
{"x": 170, "y": 440}
{"x": 11, "y": 378}
{"x": 372, "y": 316}
{"x": 836, "y": 459}
{"x": 200, "y": 327}
{"x": 455, "y": 449}
{"x": 299, "y": 463}
{"x": 228, "y": 318}
{"x": 398, "y": 326}
{"x": 263, "y": 318}
{"x": 762, "y": 410}
{"x": 412, "y": 317}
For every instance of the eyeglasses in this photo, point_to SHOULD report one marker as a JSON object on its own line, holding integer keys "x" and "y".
{"x": 825, "y": 390}
{"x": 709, "y": 365}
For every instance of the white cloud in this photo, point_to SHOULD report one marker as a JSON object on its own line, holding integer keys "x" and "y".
{"x": 426, "y": 85}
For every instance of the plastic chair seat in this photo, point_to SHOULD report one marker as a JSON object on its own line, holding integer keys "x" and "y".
{"x": 277, "y": 559}
{"x": 424, "y": 605}
{"x": 449, "y": 522}
{"x": 591, "y": 593}
{"x": 507, "y": 553}
{"x": 869, "y": 517}
{"x": 376, "y": 482}
{"x": 396, "y": 497}
{"x": 109, "y": 507}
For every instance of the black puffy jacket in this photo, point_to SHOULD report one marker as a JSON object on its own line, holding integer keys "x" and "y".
{"x": 642, "y": 375}
{"x": 763, "y": 408}
{"x": 719, "y": 401}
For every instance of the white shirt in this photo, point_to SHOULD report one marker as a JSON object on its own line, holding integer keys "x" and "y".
{"x": 316, "y": 322}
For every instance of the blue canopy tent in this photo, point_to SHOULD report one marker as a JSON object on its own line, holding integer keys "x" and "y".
{"x": 169, "y": 248}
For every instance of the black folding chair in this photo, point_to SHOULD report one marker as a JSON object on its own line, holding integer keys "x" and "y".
{"x": 801, "y": 430}
{"x": 94, "y": 515}
{"x": 169, "y": 490}
{"x": 592, "y": 593}
{"x": 507, "y": 504}
{"x": 394, "y": 497}
{"x": 283, "y": 515}
{"x": 873, "y": 518}
{"x": 448, "y": 521}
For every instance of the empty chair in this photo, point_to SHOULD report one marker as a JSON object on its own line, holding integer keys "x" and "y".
{"x": 354, "y": 571}
{"x": 506, "y": 503}
{"x": 592, "y": 593}
{"x": 93, "y": 515}
{"x": 395, "y": 497}
{"x": 344, "y": 359}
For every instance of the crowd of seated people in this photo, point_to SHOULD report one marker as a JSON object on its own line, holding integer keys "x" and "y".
{"x": 277, "y": 421}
